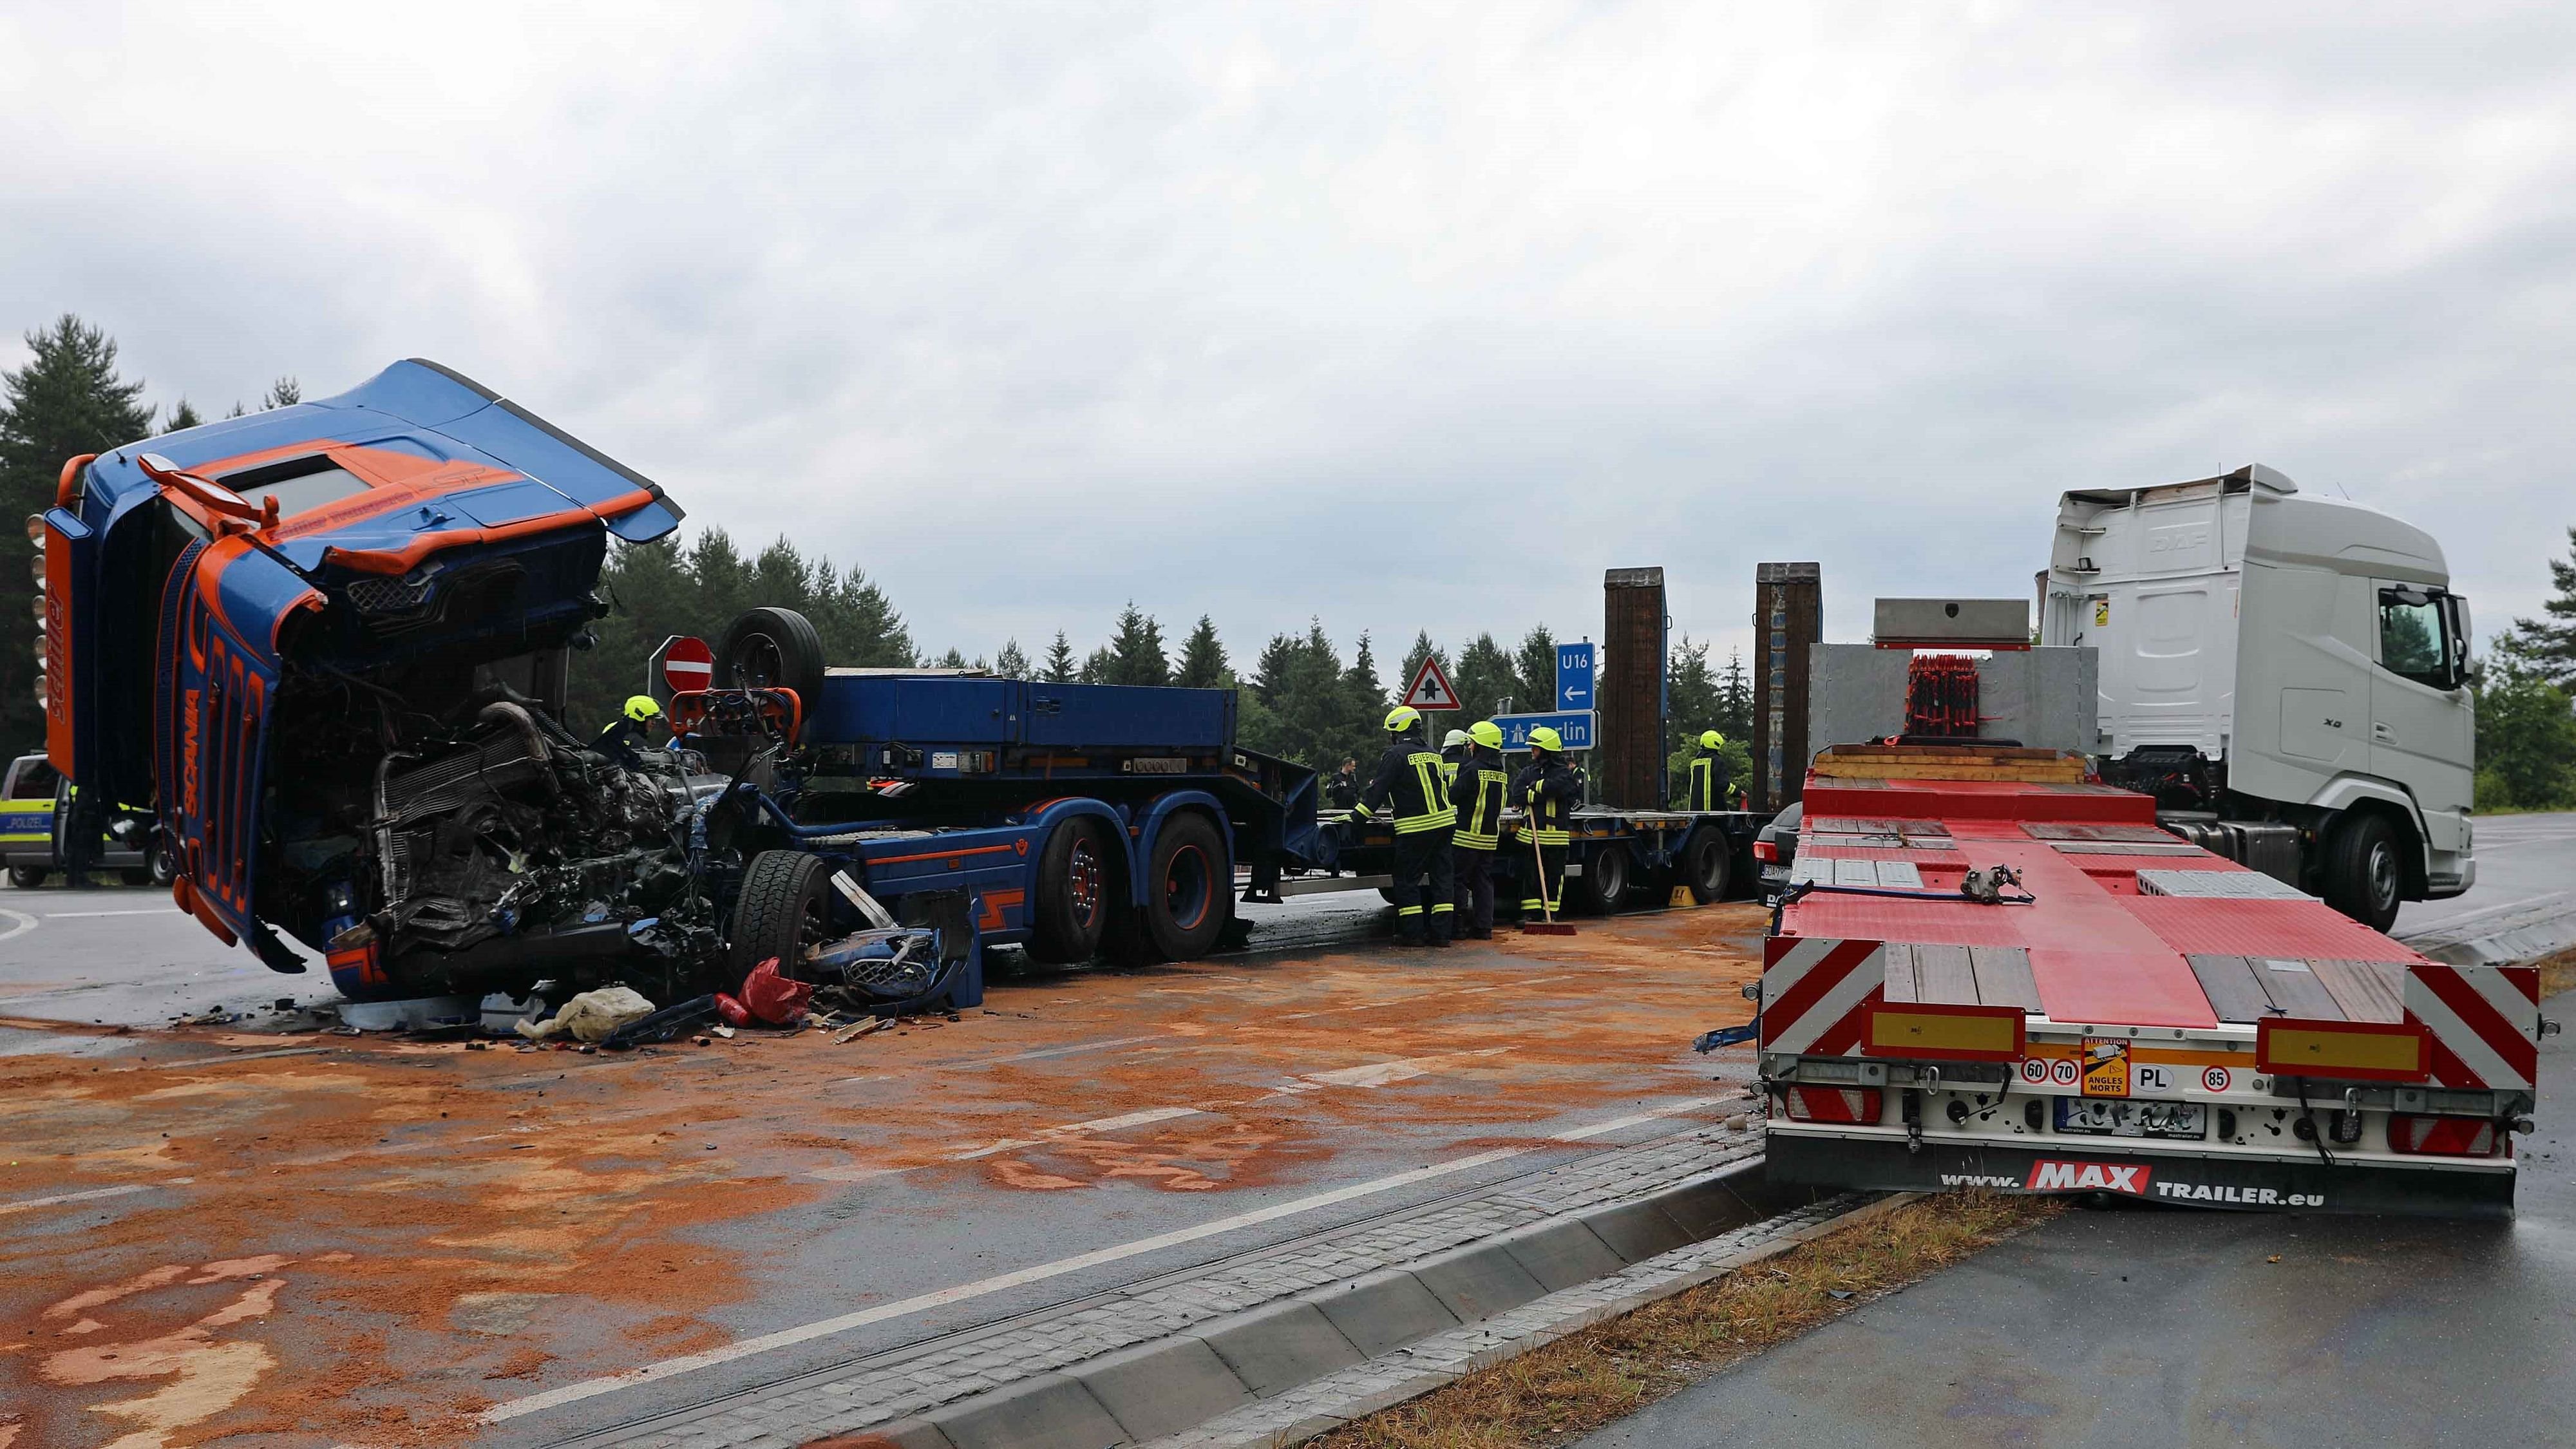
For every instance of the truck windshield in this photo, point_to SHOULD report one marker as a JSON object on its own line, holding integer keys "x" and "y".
{"x": 2413, "y": 636}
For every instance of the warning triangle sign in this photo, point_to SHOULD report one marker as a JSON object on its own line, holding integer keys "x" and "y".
{"x": 1430, "y": 688}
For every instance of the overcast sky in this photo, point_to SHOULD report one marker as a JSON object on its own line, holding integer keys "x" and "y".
{"x": 1397, "y": 315}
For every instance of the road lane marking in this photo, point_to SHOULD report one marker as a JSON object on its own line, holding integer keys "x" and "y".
{"x": 29, "y": 1204}
{"x": 1378, "y": 1074}
{"x": 76, "y": 915}
{"x": 1097, "y": 1124}
{"x": 25, "y": 922}
{"x": 1037, "y": 1273}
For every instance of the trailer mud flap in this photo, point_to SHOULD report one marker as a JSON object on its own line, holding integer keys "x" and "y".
{"x": 2211, "y": 1182}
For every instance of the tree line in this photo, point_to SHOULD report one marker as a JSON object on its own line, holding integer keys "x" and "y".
{"x": 1302, "y": 699}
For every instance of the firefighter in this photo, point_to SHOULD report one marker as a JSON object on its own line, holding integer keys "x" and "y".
{"x": 1452, "y": 750}
{"x": 1409, "y": 784}
{"x": 625, "y": 732}
{"x": 1478, "y": 792}
{"x": 1546, "y": 791}
{"x": 1711, "y": 783}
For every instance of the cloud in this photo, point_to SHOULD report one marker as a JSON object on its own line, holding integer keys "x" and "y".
{"x": 1399, "y": 316}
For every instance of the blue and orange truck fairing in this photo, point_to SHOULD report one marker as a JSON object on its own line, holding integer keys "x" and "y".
{"x": 249, "y": 622}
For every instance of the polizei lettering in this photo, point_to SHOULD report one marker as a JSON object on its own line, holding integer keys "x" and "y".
{"x": 2047, "y": 1176}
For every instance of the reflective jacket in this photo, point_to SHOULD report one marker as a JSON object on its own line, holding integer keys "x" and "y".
{"x": 1478, "y": 795}
{"x": 1547, "y": 790}
{"x": 1709, "y": 781}
{"x": 1410, "y": 786}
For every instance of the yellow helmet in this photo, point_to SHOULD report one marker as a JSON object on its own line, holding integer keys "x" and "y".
{"x": 1546, "y": 739}
{"x": 1453, "y": 738}
{"x": 1487, "y": 733}
{"x": 640, "y": 707}
{"x": 1711, "y": 739}
{"x": 1401, "y": 718}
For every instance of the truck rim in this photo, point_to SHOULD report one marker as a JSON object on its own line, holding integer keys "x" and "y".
{"x": 1084, "y": 879}
{"x": 2381, "y": 871}
{"x": 1185, "y": 887}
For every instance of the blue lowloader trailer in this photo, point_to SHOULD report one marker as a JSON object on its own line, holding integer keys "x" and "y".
{"x": 1091, "y": 819}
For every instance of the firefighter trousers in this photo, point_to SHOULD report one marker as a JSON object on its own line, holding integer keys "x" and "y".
{"x": 1424, "y": 913}
{"x": 1475, "y": 872}
{"x": 1550, "y": 884}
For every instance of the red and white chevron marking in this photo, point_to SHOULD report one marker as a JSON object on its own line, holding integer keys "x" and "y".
{"x": 2482, "y": 1022}
{"x": 1817, "y": 993}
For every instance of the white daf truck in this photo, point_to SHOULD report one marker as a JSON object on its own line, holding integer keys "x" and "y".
{"x": 2288, "y": 675}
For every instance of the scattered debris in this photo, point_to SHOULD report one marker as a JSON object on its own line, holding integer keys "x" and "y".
{"x": 590, "y": 1016}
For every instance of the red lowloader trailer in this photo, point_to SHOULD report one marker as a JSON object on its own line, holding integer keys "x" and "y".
{"x": 1993, "y": 971}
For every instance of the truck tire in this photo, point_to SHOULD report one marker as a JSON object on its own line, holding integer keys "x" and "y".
{"x": 772, "y": 649}
{"x": 1603, "y": 886}
{"x": 26, "y": 877}
{"x": 165, "y": 864}
{"x": 784, "y": 907}
{"x": 1078, "y": 880}
{"x": 1708, "y": 866}
{"x": 2363, "y": 875}
{"x": 1189, "y": 892}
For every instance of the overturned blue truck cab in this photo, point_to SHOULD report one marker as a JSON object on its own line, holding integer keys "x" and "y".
{"x": 329, "y": 645}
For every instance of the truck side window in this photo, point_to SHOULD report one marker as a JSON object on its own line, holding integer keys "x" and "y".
{"x": 2412, "y": 642}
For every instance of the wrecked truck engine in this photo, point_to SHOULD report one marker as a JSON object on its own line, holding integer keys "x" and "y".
{"x": 432, "y": 854}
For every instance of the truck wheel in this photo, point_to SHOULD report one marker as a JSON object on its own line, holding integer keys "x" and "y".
{"x": 26, "y": 877}
{"x": 1604, "y": 881}
{"x": 772, "y": 649}
{"x": 1078, "y": 879}
{"x": 2363, "y": 875}
{"x": 1708, "y": 866}
{"x": 785, "y": 906}
{"x": 165, "y": 865}
{"x": 1189, "y": 893}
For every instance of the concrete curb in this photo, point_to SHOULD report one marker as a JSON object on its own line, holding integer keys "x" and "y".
{"x": 1330, "y": 1402}
{"x": 1169, "y": 1387}
{"x": 2523, "y": 931}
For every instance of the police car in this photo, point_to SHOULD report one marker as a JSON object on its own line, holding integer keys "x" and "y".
{"x": 29, "y": 796}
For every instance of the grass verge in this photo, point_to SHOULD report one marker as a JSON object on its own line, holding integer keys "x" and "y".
{"x": 2557, "y": 973}
{"x": 1550, "y": 1395}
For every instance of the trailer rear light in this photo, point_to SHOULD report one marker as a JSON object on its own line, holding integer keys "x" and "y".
{"x": 2442, "y": 1136}
{"x": 2371, "y": 1051}
{"x": 1944, "y": 1033}
{"x": 1860, "y": 1105}
{"x": 1766, "y": 852}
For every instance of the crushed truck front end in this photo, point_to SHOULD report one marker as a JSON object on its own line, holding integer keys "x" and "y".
{"x": 328, "y": 643}
{"x": 2153, "y": 1021}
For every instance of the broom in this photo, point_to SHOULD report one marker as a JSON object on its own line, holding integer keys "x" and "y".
{"x": 1550, "y": 926}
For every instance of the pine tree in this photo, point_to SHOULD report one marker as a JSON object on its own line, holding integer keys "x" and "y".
{"x": 1203, "y": 663}
{"x": 283, "y": 393}
{"x": 1691, "y": 692}
{"x": 1136, "y": 650}
{"x": 1098, "y": 668}
{"x": 182, "y": 417}
{"x": 2547, "y": 646}
{"x": 1060, "y": 666}
{"x": 1735, "y": 699}
{"x": 2526, "y": 740}
{"x": 955, "y": 658}
{"x": 66, "y": 401}
{"x": 1011, "y": 663}
{"x": 1485, "y": 677}
{"x": 1364, "y": 702}
{"x": 1536, "y": 662}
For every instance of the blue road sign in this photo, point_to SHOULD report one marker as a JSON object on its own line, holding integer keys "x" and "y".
{"x": 1573, "y": 677}
{"x": 1573, "y": 726}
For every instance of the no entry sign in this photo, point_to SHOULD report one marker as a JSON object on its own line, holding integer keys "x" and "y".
{"x": 685, "y": 662}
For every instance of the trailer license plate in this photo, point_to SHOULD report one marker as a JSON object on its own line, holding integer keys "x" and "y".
{"x": 2109, "y": 1117}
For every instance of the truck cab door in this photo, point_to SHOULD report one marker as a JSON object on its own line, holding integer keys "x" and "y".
{"x": 2420, "y": 711}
